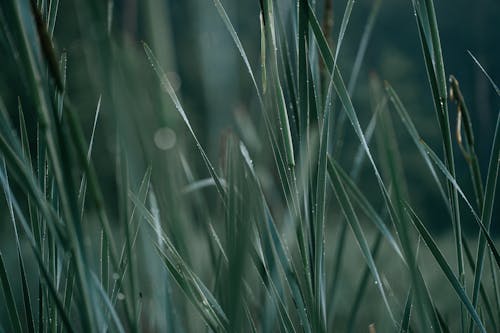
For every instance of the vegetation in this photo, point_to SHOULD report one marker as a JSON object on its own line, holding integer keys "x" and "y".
{"x": 277, "y": 232}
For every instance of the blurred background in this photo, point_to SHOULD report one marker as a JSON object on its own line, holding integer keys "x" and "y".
{"x": 197, "y": 52}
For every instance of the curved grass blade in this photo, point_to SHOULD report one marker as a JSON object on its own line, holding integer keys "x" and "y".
{"x": 485, "y": 73}
{"x": 363, "y": 284}
{"x": 83, "y": 184}
{"x": 109, "y": 306}
{"x": 452, "y": 180}
{"x": 9, "y": 298}
{"x": 168, "y": 87}
{"x": 239, "y": 46}
{"x": 271, "y": 235}
{"x": 412, "y": 130}
{"x": 351, "y": 217}
{"x": 487, "y": 211}
{"x": 193, "y": 288}
{"x": 275, "y": 81}
{"x": 484, "y": 295}
{"x": 47, "y": 46}
{"x": 30, "y": 322}
{"x": 38, "y": 256}
{"x": 319, "y": 252}
{"x": 434, "y": 60}
{"x": 405, "y": 321}
{"x": 365, "y": 205}
{"x": 443, "y": 264}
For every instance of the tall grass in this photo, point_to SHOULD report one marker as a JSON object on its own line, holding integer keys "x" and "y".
{"x": 166, "y": 249}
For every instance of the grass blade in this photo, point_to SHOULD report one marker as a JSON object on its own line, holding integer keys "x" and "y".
{"x": 351, "y": 217}
{"x": 485, "y": 73}
{"x": 9, "y": 298}
{"x": 443, "y": 264}
{"x": 168, "y": 88}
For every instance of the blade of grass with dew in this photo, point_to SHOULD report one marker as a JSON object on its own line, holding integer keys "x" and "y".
{"x": 302, "y": 72}
{"x": 23, "y": 175}
{"x": 365, "y": 205}
{"x": 239, "y": 46}
{"x": 345, "y": 99}
{"x": 122, "y": 266}
{"x": 484, "y": 295}
{"x": 358, "y": 61}
{"x": 168, "y": 88}
{"x": 83, "y": 184}
{"x": 286, "y": 61}
{"x": 268, "y": 272}
{"x": 25, "y": 145}
{"x": 30, "y": 322}
{"x": 319, "y": 225}
{"x": 193, "y": 288}
{"x": 412, "y": 130}
{"x": 109, "y": 306}
{"x": 122, "y": 175}
{"x": 485, "y": 73}
{"x": 271, "y": 235}
{"x": 92, "y": 183}
{"x": 200, "y": 202}
{"x": 52, "y": 17}
{"x": 53, "y": 136}
{"x": 357, "y": 164}
{"x": 47, "y": 46}
{"x": 266, "y": 12}
{"x": 343, "y": 28}
{"x": 38, "y": 256}
{"x": 439, "y": 92}
{"x": 496, "y": 288}
{"x": 352, "y": 218}
{"x": 9, "y": 298}
{"x": 275, "y": 81}
{"x": 362, "y": 285}
{"x": 443, "y": 264}
{"x": 487, "y": 209}
{"x": 405, "y": 320}
{"x": 452, "y": 180}
{"x": 264, "y": 36}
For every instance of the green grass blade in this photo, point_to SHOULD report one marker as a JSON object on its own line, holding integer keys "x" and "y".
{"x": 239, "y": 46}
{"x": 452, "y": 180}
{"x": 9, "y": 298}
{"x": 405, "y": 320}
{"x": 319, "y": 252}
{"x": 83, "y": 184}
{"x": 365, "y": 205}
{"x": 199, "y": 296}
{"x": 30, "y": 322}
{"x": 38, "y": 256}
{"x": 485, "y": 73}
{"x": 484, "y": 295}
{"x": 302, "y": 72}
{"x": 351, "y": 217}
{"x": 415, "y": 136}
{"x": 443, "y": 264}
{"x": 363, "y": 284}
{"x": 168, "y": 88}
{"x": 487, "y": 211}
{"x": 439, "y": 91}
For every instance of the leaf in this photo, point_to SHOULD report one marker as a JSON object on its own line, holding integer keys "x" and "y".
{"x": 443, "y": 264}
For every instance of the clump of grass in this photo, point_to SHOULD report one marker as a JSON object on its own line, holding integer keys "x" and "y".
{"x": 169, "y": 250}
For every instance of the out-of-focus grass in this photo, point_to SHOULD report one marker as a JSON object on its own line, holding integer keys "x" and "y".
{"x": 140, "y": 223}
